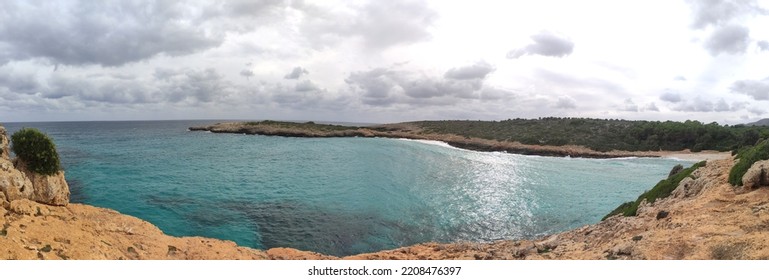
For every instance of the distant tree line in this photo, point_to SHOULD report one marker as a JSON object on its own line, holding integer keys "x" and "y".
{"x": 607, "y": 134}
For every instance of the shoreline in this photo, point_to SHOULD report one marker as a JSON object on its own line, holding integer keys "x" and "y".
{"x": 696, "y": 156}
{"x": 705, "y": 217}
{"x": 406, "y": 131}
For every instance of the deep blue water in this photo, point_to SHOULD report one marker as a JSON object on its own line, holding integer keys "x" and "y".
{"x": 336, "y": 196}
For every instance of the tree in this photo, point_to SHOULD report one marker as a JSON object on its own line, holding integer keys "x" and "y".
{"x": 36, "y": 150}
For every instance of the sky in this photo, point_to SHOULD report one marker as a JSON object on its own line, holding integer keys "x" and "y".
{"x": 384, "y": 61}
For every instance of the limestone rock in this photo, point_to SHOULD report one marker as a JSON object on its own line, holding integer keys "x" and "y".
{"x": 689, "y": 187}
{"x": 548, "y": 244}
{"x": 50, "y": 189}
{"x": 47, "y": 189}
{"x": 3, "y": 201}
{"x": 757, "y": 175}
{"x": 4, "y": 152}
{"x": 14, "y": 183}
{"x": 27, "y": 207}
{"x": 623, "y": 249}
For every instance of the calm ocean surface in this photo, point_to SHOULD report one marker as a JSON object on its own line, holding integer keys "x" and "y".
{"x": 337, "y": 196}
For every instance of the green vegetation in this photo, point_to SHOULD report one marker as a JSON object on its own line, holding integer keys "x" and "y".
{"x": 663, "y": 189}
{"x": 303, "y": 126}
{"x": 748, "y": 156}
{"x": 36, "y": 150}
{"x": 606, "y": 135}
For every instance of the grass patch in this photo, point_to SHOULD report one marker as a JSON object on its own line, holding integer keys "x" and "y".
{"x": 663, "y": 189}
{"x": 746, "y": 159}
{"x": 726, "y": 251}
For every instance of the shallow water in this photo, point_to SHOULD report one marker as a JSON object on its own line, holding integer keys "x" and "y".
{"x": 336, "y": 196}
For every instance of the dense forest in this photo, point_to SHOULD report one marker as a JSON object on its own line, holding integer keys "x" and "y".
{"x": 606, "y": 135}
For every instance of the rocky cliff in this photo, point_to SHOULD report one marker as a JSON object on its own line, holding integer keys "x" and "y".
{"x": 704, "y": 218}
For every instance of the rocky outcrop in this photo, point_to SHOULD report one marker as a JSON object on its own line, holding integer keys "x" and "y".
{"x": 16, "y": 182}
{"x": 47, "y": 189}
{"x": 4, "y": 150}
{"x": 757, "y": 175}
{"x": 13, "y": 182}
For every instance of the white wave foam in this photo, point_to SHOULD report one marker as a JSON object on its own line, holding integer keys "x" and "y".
{"x": 432, "y": 142}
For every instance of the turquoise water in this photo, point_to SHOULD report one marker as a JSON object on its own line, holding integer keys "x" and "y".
{"x": 336, "y": 196}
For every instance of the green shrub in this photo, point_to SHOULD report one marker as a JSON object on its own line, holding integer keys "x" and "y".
{"x": 747, "y": 157}
{"x": 36, "y": 150}
{"x": 663, "y": 189}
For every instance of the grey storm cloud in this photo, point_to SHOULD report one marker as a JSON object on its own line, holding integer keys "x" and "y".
{"x": 758, "y": 90}
{"x": 16, "y": 82}
{"x": 576, "y": 83}
{"x": 112, "y": 33}
{"x": 720, "y": 12}
{"x": 164, "y": 86}
{"x": 384, "y": 86}
{"x": 247, "y": 73}
{"x": 763, "y": 45}
{"x": 306, "y": 85}
{"x": 565, "y": 102}
{"x": 545, "y": 44}
{"x": 629, "y": 106}
{"x": 671, "y": 97}
{"x": 699, "y": 104}
{"x": 757, "y": 111}
{"x": 696, "y": 105}
{"x": 722, "y": 106}
{"x": 724, "y": 16}
{"x": 733, "y": 39}
{"x": 296, "y": 73}
{"x": 651, "y": 107}
{"x": 379, "y": 24}
{"x": 475, "y": 71}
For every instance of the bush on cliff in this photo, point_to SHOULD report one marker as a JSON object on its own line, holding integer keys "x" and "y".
{"x": 663, "y": 189}
{"x": 36, "y": 150}
{"x": 746, "y": 159}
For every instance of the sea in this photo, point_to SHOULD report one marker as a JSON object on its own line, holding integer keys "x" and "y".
{"x": 336, "y": 196}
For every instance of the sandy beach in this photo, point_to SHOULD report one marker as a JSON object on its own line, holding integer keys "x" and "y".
{"x": 698, "y": 156}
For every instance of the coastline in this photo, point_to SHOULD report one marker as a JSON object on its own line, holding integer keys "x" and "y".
{"x": 704, "y": 218}
{"x": 695, "y": 156}
{"x": 411, "y": 132}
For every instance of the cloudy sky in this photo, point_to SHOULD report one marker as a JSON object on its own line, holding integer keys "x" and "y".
{"x": 384, "y": 61}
